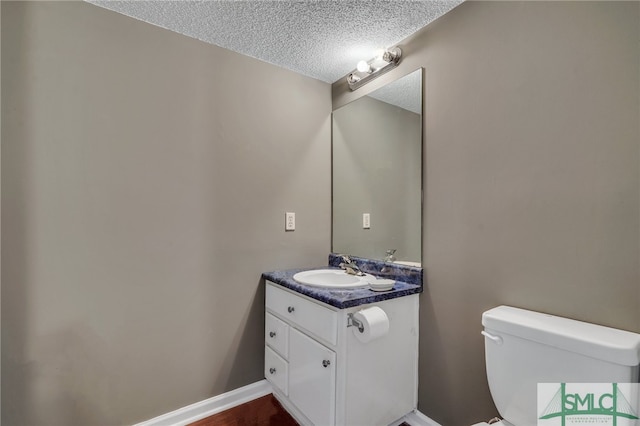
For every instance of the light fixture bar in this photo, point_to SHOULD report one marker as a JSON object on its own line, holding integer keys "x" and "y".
{"x": 376, "y": 67}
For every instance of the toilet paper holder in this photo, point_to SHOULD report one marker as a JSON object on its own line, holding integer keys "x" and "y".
{"x": 352, "y": 322}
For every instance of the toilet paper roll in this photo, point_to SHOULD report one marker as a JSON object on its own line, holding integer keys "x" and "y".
{"x": 375, "y": 323}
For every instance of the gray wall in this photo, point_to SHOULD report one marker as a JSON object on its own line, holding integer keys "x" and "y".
{"x": 532, "y": 178}
{"x": 377, "y": 156}
{"x": 0, "y": 214}
{"x": 145, "y": 176}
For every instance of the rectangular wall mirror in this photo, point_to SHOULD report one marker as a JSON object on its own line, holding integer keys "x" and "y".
{"x": 377, "y": 173}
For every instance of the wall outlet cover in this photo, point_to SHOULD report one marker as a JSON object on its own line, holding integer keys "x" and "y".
{"x": 366, "y": 220}
{"x": 289, "y": 221}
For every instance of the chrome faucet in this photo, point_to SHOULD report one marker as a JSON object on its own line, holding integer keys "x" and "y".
{"x": 350, "y": 266}
{"x": 390, "y": 258}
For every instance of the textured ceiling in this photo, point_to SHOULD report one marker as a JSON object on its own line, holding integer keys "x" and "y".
{"x": 323, "y": 39}
{"x": 405, "y": 92}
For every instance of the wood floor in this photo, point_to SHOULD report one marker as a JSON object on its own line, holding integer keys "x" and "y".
{"x": 265, "y": 411}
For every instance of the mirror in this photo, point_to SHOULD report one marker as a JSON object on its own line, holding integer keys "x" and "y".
{"x": 377, "y": 170}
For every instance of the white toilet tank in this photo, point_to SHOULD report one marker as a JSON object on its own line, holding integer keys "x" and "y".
{"x": 524, "y": 348}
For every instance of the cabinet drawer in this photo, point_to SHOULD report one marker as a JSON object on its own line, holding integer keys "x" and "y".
{"x": 311, "y": 316}
{"x": 276, "y": 335}
{"x": 276, "y": 370}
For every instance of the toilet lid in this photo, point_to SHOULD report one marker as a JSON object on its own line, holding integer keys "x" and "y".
{"x": 500, "y": 423}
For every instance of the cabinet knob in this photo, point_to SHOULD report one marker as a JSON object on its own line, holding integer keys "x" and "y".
{"x": 272, "y": 370}
{"x": 290, "y": 309}
{"x": 326, "y": 363}
{"x": 272, "y": 334}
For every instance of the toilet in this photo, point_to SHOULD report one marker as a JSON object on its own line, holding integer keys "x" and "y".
{"x": 524, "y": 348}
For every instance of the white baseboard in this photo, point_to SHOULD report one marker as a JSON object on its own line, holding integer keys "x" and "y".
{"x": 208, "y": 407}
{"x": 416, "y": 418}
{"x": 194, "y": 412}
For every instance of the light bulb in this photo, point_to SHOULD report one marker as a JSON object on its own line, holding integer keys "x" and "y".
{"x": 380, "y": 53}
{"x": 352, "y": 78}
{"x": 363, "y": 66}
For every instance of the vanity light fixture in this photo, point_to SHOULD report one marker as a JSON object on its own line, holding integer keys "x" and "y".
{"x": 385, "y": 60}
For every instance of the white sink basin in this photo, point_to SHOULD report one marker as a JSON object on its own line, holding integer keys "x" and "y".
{"x": 335, "y": 278}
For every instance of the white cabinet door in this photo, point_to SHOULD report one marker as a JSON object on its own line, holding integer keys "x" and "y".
{"x": 312, "y": 378}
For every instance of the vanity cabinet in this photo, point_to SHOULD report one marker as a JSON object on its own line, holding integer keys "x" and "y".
{"x": 323, "y": 375}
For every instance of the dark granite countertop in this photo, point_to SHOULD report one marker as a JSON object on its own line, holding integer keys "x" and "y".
{"x": 344, "y": 298}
